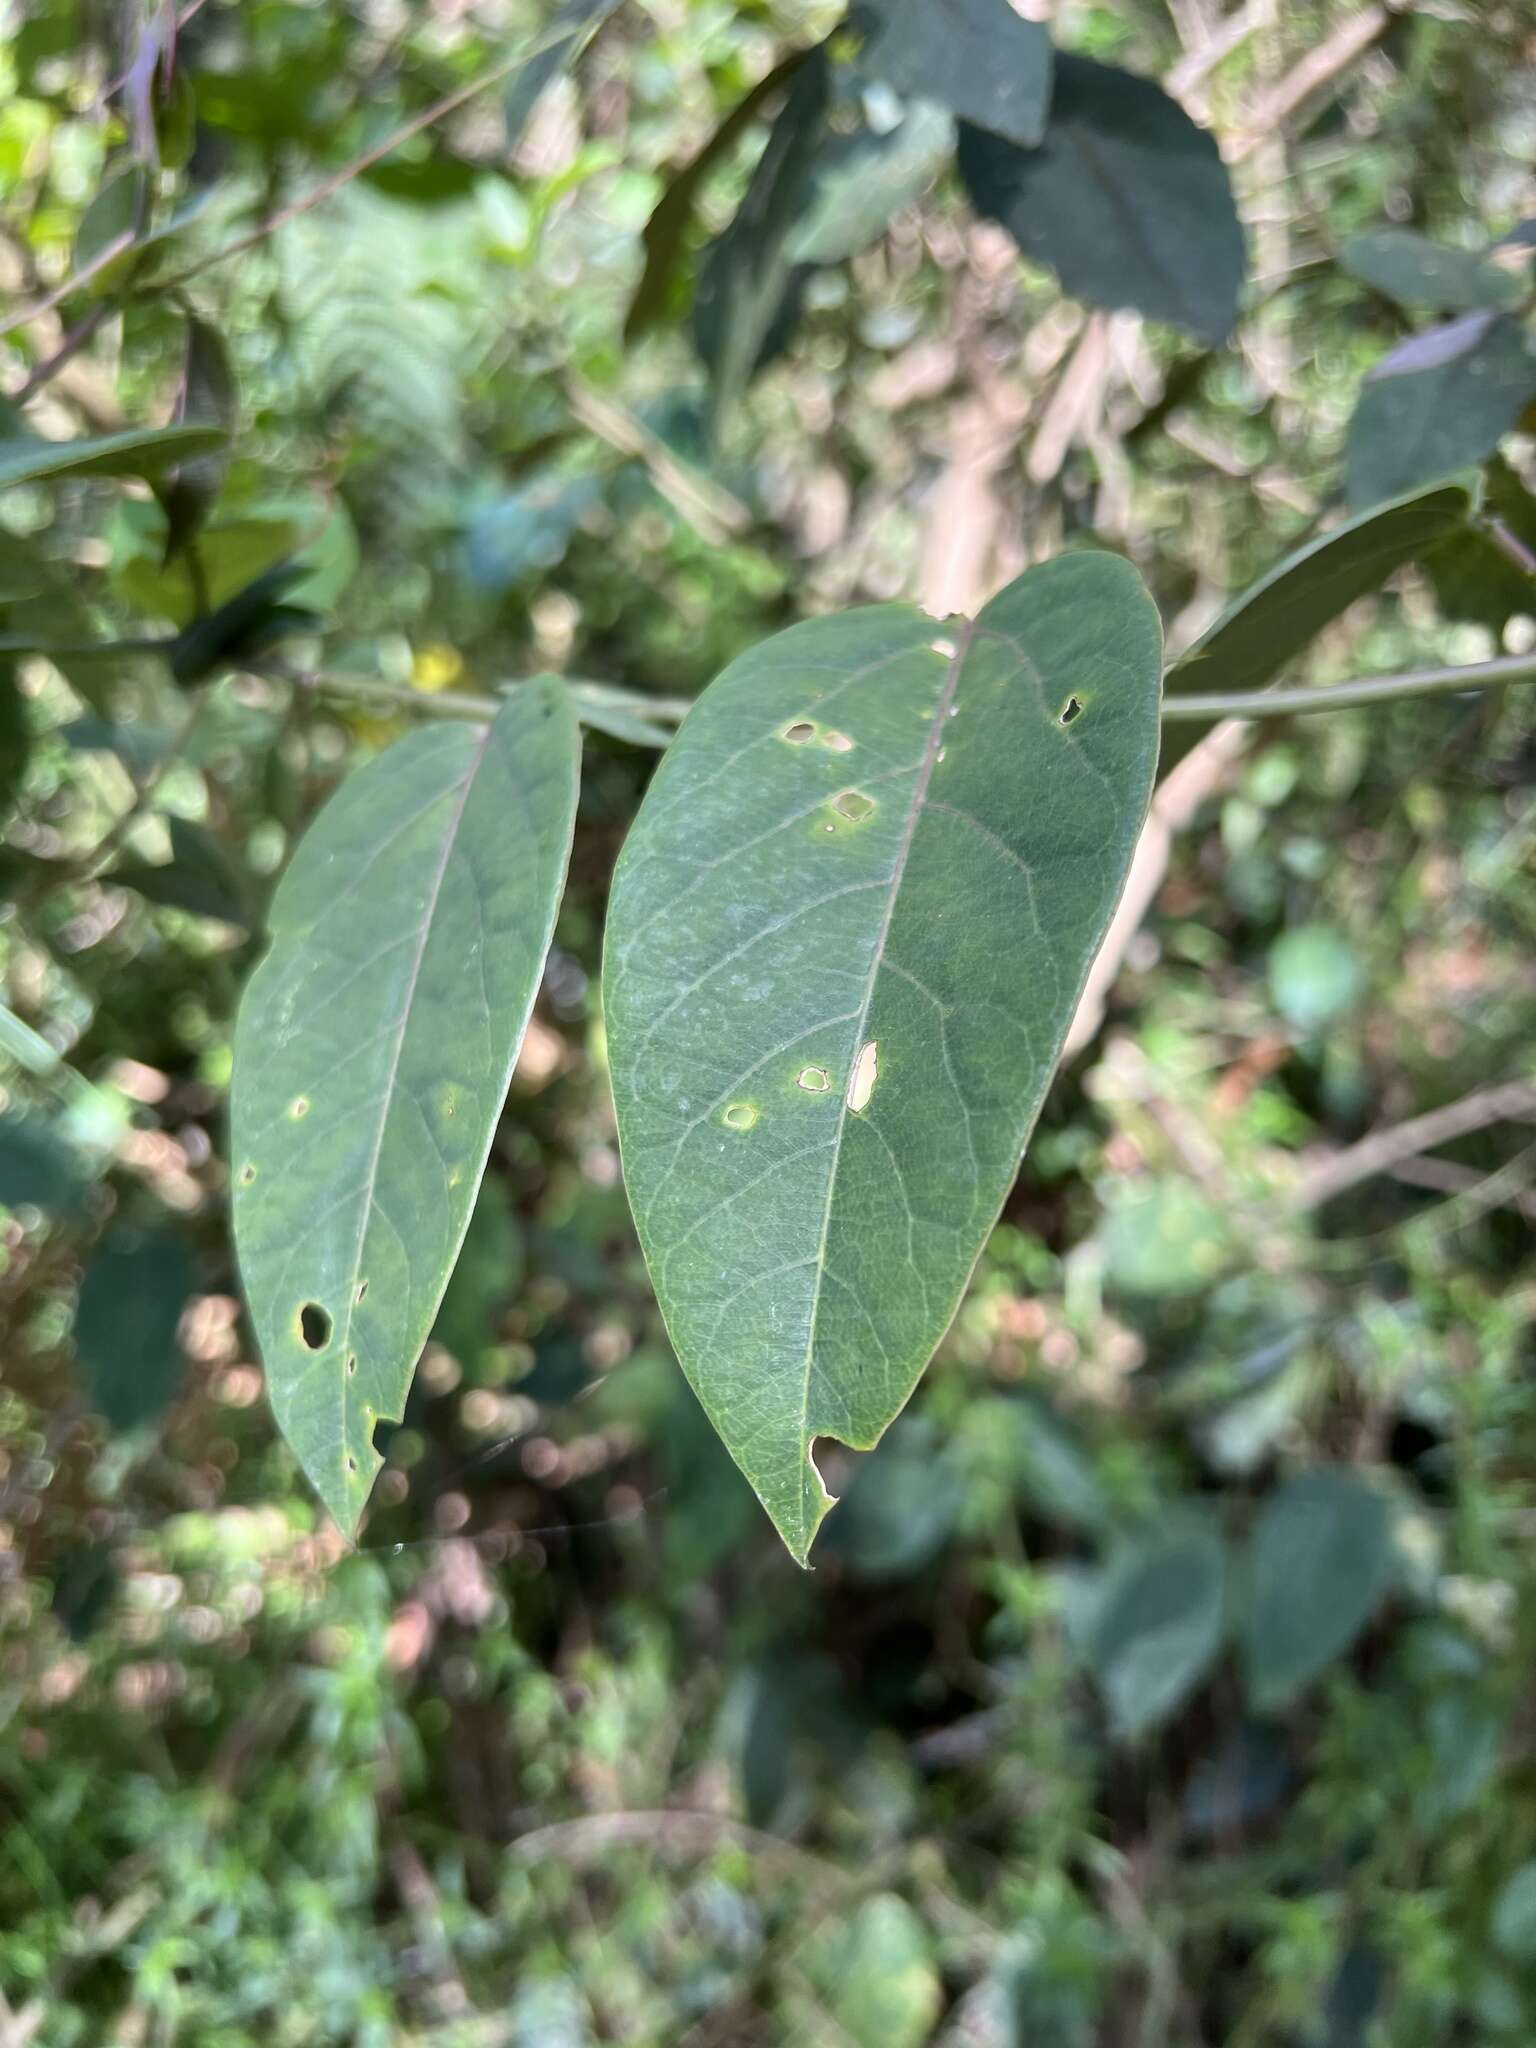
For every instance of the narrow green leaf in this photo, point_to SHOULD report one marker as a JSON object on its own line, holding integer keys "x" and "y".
{"x": 1320, "y": 1564}
{"x": 209, "y": 396}
{"x": 131, "y": 1302}
{"x": 1413, "y": 271}
{"x": 666, "y": 232}
{"x": 750, "y": 286}
{"x": 15, "y": 738}
{"x": 1264, "y": 629}
{"x": 1125, "y": 199}
{"x": 1439, "y": 403}
{"x": 372, "y": 1054}
{"x": 138, "y": 451}
{"x": 846, "y": 937}
{"x": 978, "y": 58}
{"x": 571, "y": 28}
{"x": 120, "y": 208}
{"x": 1159, "y": 1629}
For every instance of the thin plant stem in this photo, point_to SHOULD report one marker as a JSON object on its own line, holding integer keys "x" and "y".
{"x": 1204, "y": 706}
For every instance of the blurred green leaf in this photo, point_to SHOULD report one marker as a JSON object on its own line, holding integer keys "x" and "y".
{"x": 1482, "y": 578}
{"x": 876, "y": 1972}
{"x": 1315, "y": 975}
{"x": 39, "y": 1167}
{"x": 980, "y": 59}
{"x": 859, "y": 181}
{"x": 1414, "y": 271}
{"x": 137, "y": 451}
{"x": 201, "y": 877}
{"x": 485, "y": 1277}
{"x": 1125, "y": 199}
{"x": 1438, "y": 403}
{"x": 246, "y": 625}
{"x": 131, "y": 1302}
{"x": 558, "y": 44}
{"x": 120, "y": 208}
{"x": 1513, "y": 1925}
{"x": 900, "y": 1508}
{"x": 838, "y": 978}
{"x": 372, "y": 1054}
{"x": 209, "y": 396}
{"x": 1163, "y": 1238}
{"x": 1318, "y": 1568}
{"x": 1159, "y": 1630}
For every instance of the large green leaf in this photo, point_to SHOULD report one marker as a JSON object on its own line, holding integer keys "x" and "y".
{"x": 846, "y": 938}
{"x": 1125, "y": 199}
{"x": 1438, "y": 403}
{"x": 1414, "y": 271}
{"x": 372, "y": 1054}
{"x": 1321, "y": 1561}
{"x": 137, "y": 451}
{"x": 978, "y": 58}
{"x": 859, "y": 181}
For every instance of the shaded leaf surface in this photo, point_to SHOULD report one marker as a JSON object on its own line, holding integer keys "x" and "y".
{"x": 569, "y": 31}
{"x": 131, "y": 1301}
{"x": 860, "y": 181}
{"x": 978, "y": 58}
{"x": 1414, "y": 271}
{"x": 1439, "y": 403}
{"x": 201, "y": 877}
{"x": 1125, "y": 199}
{"x": 1320, "y": 1564}
{"x": 372, "y": 1055}
{"x": 846, "y": 937}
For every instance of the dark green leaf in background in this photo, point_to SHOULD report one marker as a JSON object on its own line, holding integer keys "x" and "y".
{"x": 209, "y": 396}
{"x": 131, "y": 1301}
{"x": 1485, "y": 571}
{"x": 846, "y": 937}
{"x": 876, "y": 1972}
{"x": 1320, "y": 1564}
{"x": 1159, "y": 1629}
{"x": 859, "y": 181}
{"x": 1414, "y": 271}
{"x": 978, "y": 58}
{"x": 557, "y": 46}
{"x": 485, "y": 1277}
{"x": 1125, "y": 199}
{"x": 372, "y": 1054}
{"x": 201, "y": 877}
{"x": 1439, "y": 403}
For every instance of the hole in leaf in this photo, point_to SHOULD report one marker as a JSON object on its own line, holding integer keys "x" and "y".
{"x": 247, "y": 1175}
{"x": 741, "y": 1116}
{"x": 944, "y": 647}
{"x": 814, "y": 1080}
{"x": 861, "y": 1082}
{"x": 1073, "y": 708}
{"x": 299, "y": 1107}
{"x": 351, "y": 1361}
{"x": 362, "y": 1289}
{"x": 853, "y": 805}
{"x": 838, "y": 743}
{"x": 351, "y": 1464}
{"x": 800, "y": 733}
{"x": 314, "y": 1326}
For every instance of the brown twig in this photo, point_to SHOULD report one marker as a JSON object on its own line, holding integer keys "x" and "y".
{"x": 706, "y": 505}
{"x": 1383, "y": 1151}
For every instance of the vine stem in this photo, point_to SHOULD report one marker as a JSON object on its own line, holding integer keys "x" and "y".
{"x": 1205, "y": 706}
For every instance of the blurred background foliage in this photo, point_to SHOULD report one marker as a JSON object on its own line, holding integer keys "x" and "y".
{"x": 1165, "y": 1675}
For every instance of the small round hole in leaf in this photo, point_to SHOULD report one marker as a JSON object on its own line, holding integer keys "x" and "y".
{"x": 800, "y": 734}
{"x": 314, "y": 1326}
{"x": 853, "y": 805}
{"x": 741, "y": 1116}
{"x": 813, "y": 1080}
{"x": 1073, "y": 708}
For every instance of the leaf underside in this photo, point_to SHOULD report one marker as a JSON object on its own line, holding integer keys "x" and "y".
{"x": 846, "y": 937}
{"x": 372, "y": 1054}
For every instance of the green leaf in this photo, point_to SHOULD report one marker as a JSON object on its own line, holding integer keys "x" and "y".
{"x": 245, "y": 625}
{"x": 978, "y": 58}
{"x": 1125, "y": 199}
{"x": 1315, "y": 975}
{"x": 209, "y": 397}
{"x": 666, "y": 232}
{"x": 559, "y": 44}
{"x": 39, "y": 1167}
{"x": 1320, "y": 1564}
{"x": 1264, "y": 629}
{"x": 201, "y": 877}
{"x": 750, "y": 286}
{"x": 15, "y": 738}
{"x": 858, "y": 182}
{"x": 1159, "y": 1629}
{"x": 485, "y": 1278}
{"x": 846, "y": 937}
{"x": 900, "y": 1508}
{"x": 1162, "y": 1239}
{"x": 1413, "y": 271}
{"x": 372, "y": 1054}
{"x": 1439, "y": 403}
{"x": 138, "y": 451}
{"x": 876, "y": 1972}
{"x": 1482, "y": 578}
{"x": 131, "y": 1301}
{"x": 120, "y": 208}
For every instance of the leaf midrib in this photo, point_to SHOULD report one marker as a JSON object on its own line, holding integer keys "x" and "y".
{"x": 370, "y": 1179}
{"x": 963, "y": 640}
